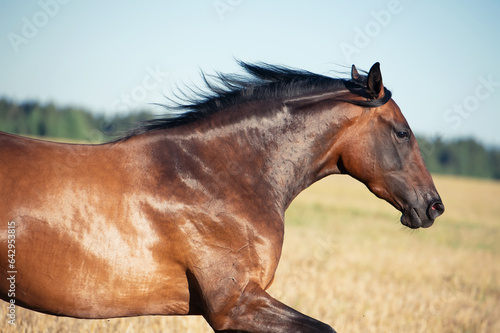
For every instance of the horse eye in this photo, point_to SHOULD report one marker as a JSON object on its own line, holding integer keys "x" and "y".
{"x": 403, "y": 135}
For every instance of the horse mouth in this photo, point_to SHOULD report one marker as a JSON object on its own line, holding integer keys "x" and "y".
{"x": 412, "y": 219}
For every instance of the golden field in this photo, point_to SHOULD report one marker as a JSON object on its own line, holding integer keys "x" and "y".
{"x": 349, "y": 262}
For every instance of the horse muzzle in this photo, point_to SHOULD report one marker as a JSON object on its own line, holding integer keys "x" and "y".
{"x": 424, "y": 217}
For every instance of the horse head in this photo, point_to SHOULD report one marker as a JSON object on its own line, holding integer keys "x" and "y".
{"x": 382, "y": 152}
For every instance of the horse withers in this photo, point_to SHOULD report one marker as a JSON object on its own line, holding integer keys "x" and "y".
{"x": 185, "y": 215}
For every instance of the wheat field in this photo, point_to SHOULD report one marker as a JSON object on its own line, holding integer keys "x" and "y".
{"x": 349, "y": 262}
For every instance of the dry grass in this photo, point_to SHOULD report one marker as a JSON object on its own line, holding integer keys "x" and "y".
{"x": 348, "y": 261}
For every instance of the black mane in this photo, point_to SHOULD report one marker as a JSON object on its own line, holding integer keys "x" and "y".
{"x": 263, "y": 81}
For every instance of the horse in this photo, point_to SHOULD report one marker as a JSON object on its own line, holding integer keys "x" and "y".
{"x": 184, "y": 215}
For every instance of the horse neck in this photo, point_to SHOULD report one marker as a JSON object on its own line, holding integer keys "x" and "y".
{"x": 282, "y": 148}
{"x": 311, "y": 147}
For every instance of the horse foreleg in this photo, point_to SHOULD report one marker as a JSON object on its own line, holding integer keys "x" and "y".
{"x": 256, "y": 311}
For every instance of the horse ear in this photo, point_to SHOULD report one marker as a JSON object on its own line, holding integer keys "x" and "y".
{"x": 354, "y": 73}
{"x": 375, "y": 85}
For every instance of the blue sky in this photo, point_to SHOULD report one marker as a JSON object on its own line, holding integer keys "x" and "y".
{"x": 439, "y": 58}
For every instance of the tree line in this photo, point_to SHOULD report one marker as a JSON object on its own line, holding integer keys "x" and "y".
{"x": 50, "y": 121}
{"x": 463, "y": 157}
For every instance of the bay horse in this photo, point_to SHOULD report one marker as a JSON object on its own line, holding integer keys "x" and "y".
{"x": 185, "y": 214}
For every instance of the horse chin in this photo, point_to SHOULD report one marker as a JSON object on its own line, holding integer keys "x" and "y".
{"x": 411, "y": 219}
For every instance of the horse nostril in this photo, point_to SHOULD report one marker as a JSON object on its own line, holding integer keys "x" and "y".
{"x": 435, "y": 209}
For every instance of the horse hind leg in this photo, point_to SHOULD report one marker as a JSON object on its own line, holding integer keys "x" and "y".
{"x": 256, "y": 311}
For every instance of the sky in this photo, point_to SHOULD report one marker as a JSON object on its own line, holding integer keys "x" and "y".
{"x": 440, "y": 59}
